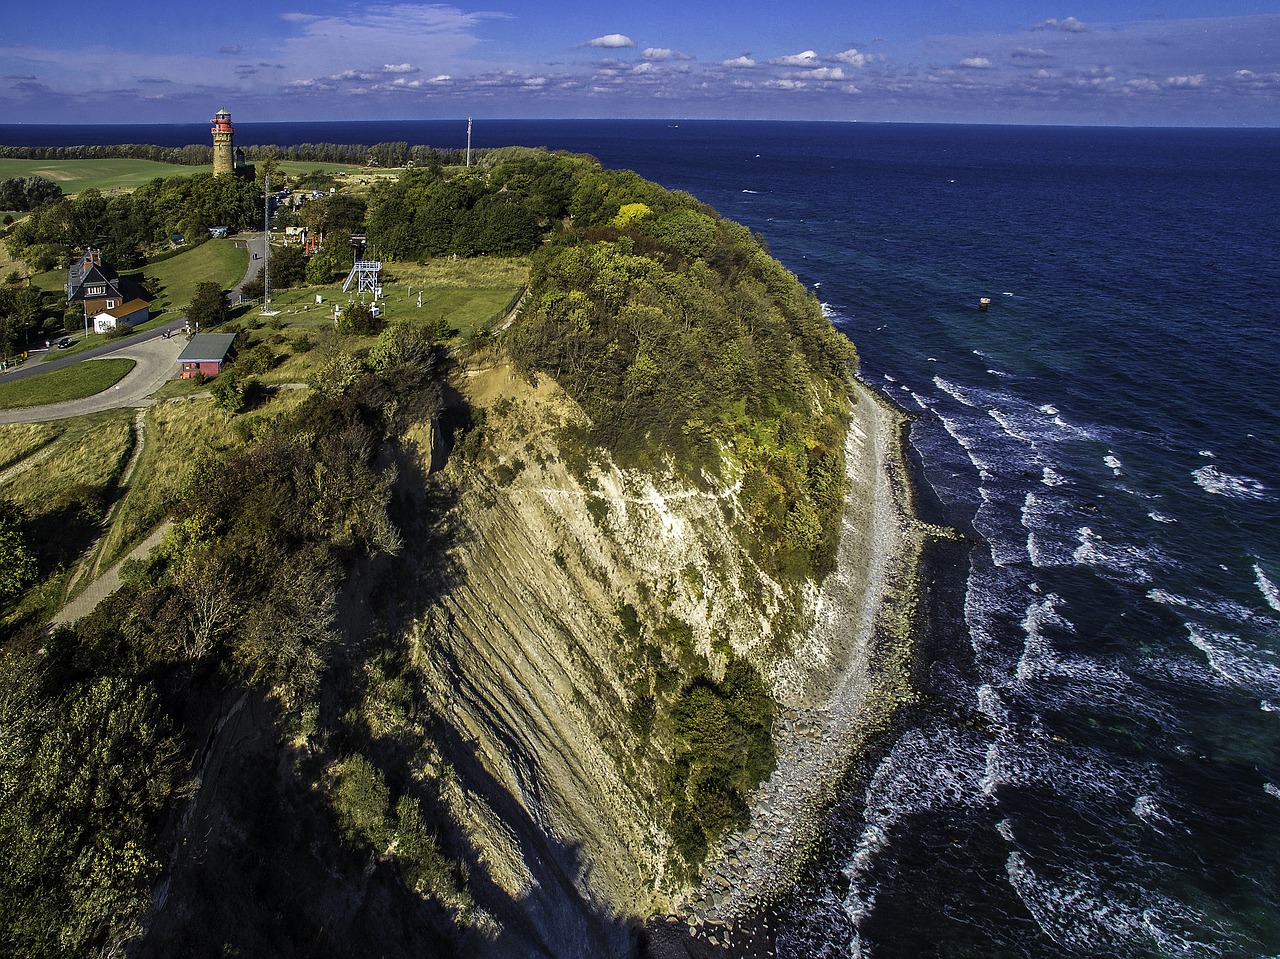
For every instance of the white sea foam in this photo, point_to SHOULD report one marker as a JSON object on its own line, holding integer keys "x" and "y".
{"x": 1271, "y": 790}
{"x": 1225, "y": 608}
{"x": 1160, "y": 517}
{"x": 1268, "y": 588}
{"x": 1049, "y": 409}
{"x": 1213, "y": 480}
{"x": 1208, "y": 453}
{"x": 999, "y": 373}
{"x": 934, "y": 769}
{"x": 1047, "y": 540}
{"x": 1038, "y": 658}
{"x": 1051, "y": 477}
{"x": 921, "y": 401}
{"x": 1239, "y": 662}
{"x": 1114, "y": 462}
{"x": 891, "y": 379}
{"x": 955, "y": 392}
{"x": 1147, "y": 808}
{"x": 1126, "y": 563}
{"x": 1088, "y": 916}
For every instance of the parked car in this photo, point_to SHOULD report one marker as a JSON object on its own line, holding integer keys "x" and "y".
{"x": 64, "y": 342}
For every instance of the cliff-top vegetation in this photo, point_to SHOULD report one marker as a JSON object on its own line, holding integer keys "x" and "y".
{"x": 251, "y": 681}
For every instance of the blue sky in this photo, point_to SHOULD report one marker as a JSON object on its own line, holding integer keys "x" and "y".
{"x": 1145, "y": 62}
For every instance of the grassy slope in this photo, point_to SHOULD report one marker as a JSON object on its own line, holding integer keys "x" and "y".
{"x": 20, "y": 440}
{"x": 93, "y": 452}
{"x": 69, "y": 383}
{"x": 218, "y": 261}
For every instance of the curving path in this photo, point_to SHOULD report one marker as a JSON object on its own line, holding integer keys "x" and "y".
{"x": 156, "y": 362}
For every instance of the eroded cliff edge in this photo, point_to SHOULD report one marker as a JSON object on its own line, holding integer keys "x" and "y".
{"x": 528, "y": 651}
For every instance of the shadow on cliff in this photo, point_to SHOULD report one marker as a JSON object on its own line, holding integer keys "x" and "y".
{"x": 554, "y": 917}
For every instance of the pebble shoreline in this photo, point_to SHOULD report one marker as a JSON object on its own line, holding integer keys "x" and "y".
{"x": 866, "y": 621}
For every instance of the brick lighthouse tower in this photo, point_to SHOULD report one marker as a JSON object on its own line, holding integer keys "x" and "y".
{"x": 223, "y": 152}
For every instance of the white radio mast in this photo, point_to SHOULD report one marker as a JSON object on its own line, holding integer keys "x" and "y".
{"x": 468, "y": 141}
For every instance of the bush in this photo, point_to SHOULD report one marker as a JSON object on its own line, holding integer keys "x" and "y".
{"x": 724, "y": 749}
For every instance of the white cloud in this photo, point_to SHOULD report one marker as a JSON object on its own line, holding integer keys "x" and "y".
{"x": 644, "y": 68}
{"x": 977, "y": 63}
{"x": 657, "y": 53}
{"x": 742, "y": 61}
{"x": 442, "y": 78}
{"x": 1185, "y": 83}
{"x": 806, "y": 59}
{"x": 826, "y": 73}
{"x": 612, "y": 41}
{"x": 787, "y": 84}
{"x": 854, "y": 58}
{"x": 1022, "y": 53}
{"x": 1069, "y": 25}
{"x": 399, "y": 68}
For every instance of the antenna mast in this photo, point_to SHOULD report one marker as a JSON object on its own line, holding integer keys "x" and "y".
{"x": 468, "y": 141}
{"x": 266, "y": 247}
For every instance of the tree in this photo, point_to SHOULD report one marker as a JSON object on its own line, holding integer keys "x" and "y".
{"x": 358, "y": 317}
{"x": 288, "y": 266}
{"x": 17, "y": 561}
{"x": 228, "y": 394}
{"x": 79, "y": 800}
{"x": 209, "y": 306}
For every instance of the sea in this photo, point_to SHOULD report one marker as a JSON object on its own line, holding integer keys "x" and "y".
{"x": 1094, "y": 766}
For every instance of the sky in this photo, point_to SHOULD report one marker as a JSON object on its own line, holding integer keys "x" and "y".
{"x": 1137, "y": 62}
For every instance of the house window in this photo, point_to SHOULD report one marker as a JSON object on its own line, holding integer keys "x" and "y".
{"x": 111, "y": 304}
{"x": 96, "y": 290}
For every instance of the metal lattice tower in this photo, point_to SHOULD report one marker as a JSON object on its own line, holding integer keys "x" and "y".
{"x": 365, "y": 275}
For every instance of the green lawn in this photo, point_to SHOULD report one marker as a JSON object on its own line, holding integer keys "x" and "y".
{"x": 105, "y": 175}
{"x": 217, "y": 261}
{"x": 69, "y": 383}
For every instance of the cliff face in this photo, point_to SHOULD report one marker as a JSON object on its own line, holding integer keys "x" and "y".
{"x": 557, "y": 574}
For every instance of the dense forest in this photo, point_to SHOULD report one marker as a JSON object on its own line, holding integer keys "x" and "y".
{"x": 126, "y": 225}
{"x": 302, "y": 547}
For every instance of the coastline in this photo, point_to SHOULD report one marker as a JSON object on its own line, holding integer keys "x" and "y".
{"x": 838, "y": 693}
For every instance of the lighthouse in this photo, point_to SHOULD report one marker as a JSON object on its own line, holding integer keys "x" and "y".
{"x": 224, "y": 163}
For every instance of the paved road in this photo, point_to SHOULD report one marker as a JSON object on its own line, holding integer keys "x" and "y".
{"x": 156, "y": 357}
{"x": 156, "y": 362}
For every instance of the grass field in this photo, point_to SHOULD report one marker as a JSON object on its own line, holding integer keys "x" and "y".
{"x": 69, "y": 383}
{"x": 176, "y": 279}
{"x": 113, "y": 175}
{"x": 105, "y": 175}
{"x": 468, "y": 295}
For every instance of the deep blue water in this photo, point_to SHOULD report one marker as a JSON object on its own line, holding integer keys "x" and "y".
{"x": 1096, "y": 768}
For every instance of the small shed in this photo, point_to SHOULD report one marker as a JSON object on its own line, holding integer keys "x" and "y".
{"x": 205, "y": 355}
{"x": 126, "y": 314}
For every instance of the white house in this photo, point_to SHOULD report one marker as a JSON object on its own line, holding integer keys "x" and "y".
{"x": 126, "y": 314}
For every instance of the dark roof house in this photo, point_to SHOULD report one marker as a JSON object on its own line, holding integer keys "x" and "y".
{"x": 97, "y": 285}
{"x": 205, "y": 355}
